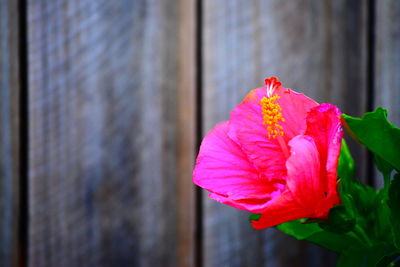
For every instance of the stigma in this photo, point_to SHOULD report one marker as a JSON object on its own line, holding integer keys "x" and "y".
{"x": 271, "y": 84}
{"x": 272, "y": 116}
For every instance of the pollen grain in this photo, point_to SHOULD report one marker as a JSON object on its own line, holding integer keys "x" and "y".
{"x": 272, "y": 116}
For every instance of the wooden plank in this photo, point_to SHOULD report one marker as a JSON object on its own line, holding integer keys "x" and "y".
{"x": 387, "y": 58}
{"x": 9, "y": 134}
{"x": 387, "y": 63}
{"x": 105, "y": 87}
{"x": 316, "y": 47}
{"x": 186, "y": 135}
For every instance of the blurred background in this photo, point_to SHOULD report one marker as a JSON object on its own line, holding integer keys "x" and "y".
{"x": 103, "y": 105}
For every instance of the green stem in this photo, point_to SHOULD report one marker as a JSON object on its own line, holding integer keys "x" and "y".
{"x": 362, "y": 234}
{"x": 355, "y": 236}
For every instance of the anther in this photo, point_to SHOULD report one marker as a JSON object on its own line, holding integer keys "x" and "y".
{"x": 272, "y": 116}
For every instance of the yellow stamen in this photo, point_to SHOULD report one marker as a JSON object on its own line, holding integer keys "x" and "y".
{"x": 272, "y": 116}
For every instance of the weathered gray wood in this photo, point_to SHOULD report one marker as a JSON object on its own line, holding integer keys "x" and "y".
{"x": 186, "y": 135}
{"x": 387, "y": 58}
{"x": 9, "y": 134}
{"x": 104, "y": 80}
{"x": 315, "y": 47}
{"x": 387, "y": 63}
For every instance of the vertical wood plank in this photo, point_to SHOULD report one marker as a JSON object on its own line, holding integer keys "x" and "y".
{"x": 106, "y": 166}
{"x": 387, "y": 58}
{"x": 316, "y": 47}
{"x": 186, "y": 134}
{"x": 387, "y": 63}
{"x": 9, "y": 134}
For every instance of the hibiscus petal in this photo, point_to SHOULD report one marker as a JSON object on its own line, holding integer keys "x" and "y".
{"x": 223, "y": 169}
{"x": 250, "y": 204}
{"x": 294, "y": 110}
{"x": 306, "y": 196}
{"x": 283, "y": 209}
{"x": 247, "y": 129}
{"x": 324, "y": 126}
{"x": 306, "y": 181}
{"x": 303, "y": 167}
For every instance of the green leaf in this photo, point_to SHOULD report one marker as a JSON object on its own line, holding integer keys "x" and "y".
{"x": 339, "y": 221}
{"x": 394, "y": 207}
{"x": 346, "y": 164}
{"x": 356, "y": 197}
{"x": 383, "y": 166}
{"x": 366, "y": 256}
{"x": 368, "y": 209}
{"x": 313, "y": 233}
{"x": 254, "y": 217}
{"x": 380, "y": 217}
{"x": 346, "y": 176}
{"x": 377, "y": 134}
{"x": 348, "y": 185}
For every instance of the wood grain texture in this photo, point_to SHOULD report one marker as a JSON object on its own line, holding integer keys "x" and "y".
{"x": 105, "y": 77}
{"x": 186, "y": 135}
{"x": 9, "y": 134}
{"x": 387, "y": 58}
{"x": 316, "y": 47}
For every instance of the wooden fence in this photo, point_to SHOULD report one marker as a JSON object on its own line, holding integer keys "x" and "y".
{"x": 103, "y": 104}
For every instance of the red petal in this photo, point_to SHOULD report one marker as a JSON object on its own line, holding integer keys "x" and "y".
{"x": 284, "y": 209}
{"x": 324, "y": 126}
{"x": 294, "y": 110}
{"x": 247, "y": 129}
{"x": 303, "y": 167}
{"x": 223, "y": 169}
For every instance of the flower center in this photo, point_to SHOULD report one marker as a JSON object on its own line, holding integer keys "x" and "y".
{"x": 272, "y": 115}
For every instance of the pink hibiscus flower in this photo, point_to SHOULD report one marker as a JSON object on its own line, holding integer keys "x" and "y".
{"x": 277, "y": 156}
